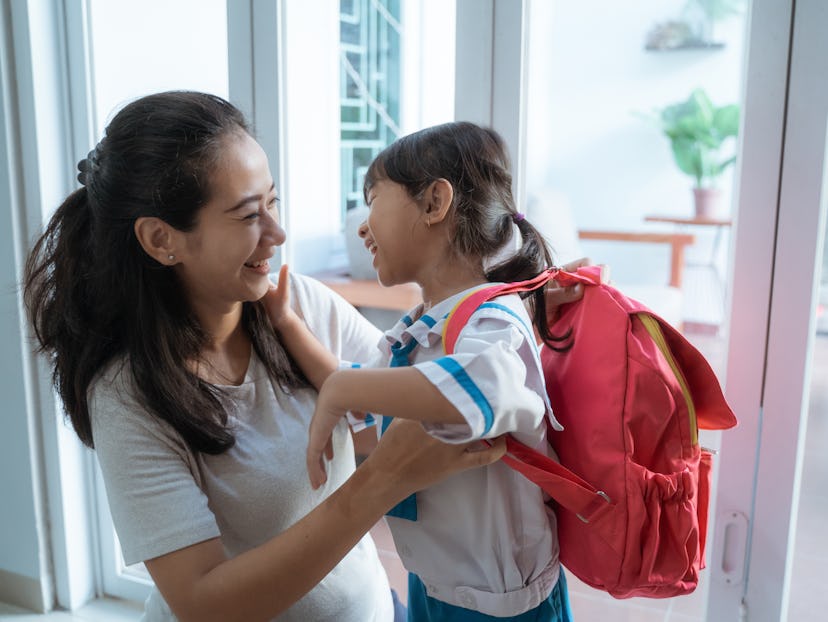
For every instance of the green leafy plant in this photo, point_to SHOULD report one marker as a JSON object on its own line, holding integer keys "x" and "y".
{"x": 716, "y": 10}
{"x": 698, "y": 131}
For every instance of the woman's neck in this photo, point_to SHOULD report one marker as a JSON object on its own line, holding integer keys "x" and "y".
{"x": 226, "y": 354}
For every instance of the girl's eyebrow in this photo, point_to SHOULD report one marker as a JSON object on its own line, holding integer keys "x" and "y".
{"x": 254, "y": 198}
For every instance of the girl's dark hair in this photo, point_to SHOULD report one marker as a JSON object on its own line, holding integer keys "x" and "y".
{"x": 475, "y": 162}
{"x": 94, "y": 295}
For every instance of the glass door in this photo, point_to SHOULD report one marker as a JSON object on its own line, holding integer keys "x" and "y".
{"x": 605, "y": 177}
{"x": 632, "y": 126}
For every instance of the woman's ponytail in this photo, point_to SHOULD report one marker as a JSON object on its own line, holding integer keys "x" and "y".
{"x": 61, "y": 307}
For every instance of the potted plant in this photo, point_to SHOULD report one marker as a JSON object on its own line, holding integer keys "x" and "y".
{"x": 698, "y": 133}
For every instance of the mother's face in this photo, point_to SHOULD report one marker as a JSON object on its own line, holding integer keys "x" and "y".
{"x": 225, "y": 257}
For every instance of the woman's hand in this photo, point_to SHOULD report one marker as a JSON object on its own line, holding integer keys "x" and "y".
{"x": 409, "y": 459}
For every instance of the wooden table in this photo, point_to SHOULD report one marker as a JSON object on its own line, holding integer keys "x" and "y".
{"x": 683, "y": 223}
{"x": 369, "y": 293}
{"x": 683, "y": 220}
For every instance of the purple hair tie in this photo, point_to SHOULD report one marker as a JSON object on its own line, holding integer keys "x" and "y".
{"x": 518, "y": 216}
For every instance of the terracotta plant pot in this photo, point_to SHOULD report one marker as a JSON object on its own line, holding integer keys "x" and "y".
{"x": 706, "y": 201}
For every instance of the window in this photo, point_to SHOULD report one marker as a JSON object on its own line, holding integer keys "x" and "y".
{"x": 370, "y": 42}
{"x": 136, "y": 49}
{"x": 337, "y": 107}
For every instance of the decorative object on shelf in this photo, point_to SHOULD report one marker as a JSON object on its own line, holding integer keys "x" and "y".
{"x": 698, "y": 133}
{"x": 360, "y": 261}
{"x": 694, "y": 28}
{"x": 676, "y": 35}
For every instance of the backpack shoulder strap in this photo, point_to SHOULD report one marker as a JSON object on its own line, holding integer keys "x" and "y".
{"x": 463, "y": 310}
{"x": 569, "y": 490}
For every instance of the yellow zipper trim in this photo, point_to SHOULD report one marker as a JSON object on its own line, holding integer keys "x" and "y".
{"x": 652, "y": 327}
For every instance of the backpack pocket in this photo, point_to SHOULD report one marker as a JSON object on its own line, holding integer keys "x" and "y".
{"x": 662, "y": 559}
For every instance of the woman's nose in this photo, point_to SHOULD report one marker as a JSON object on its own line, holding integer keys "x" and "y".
{"x": 274, "y": 233}
{"x": 363, "y": 229}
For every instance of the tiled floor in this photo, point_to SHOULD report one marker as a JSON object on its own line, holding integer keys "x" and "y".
{"x": 809, "y": 599}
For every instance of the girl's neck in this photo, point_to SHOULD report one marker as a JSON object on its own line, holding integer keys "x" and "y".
{"x": 441, "y": 285}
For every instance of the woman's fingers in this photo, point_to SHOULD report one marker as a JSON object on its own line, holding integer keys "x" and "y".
{"x": 415, "y": 460}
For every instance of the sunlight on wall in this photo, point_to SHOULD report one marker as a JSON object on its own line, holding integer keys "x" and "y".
{"x": 154, "y": 45}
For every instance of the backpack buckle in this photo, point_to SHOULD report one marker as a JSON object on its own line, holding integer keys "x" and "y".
{"x": 601, "y": 494}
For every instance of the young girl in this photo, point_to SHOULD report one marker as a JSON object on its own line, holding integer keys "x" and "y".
{"x": 481, "y": 545}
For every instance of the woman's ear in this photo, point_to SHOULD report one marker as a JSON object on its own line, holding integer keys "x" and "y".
{"x": 157, "y": 238}
{"x": 440, "y": 196}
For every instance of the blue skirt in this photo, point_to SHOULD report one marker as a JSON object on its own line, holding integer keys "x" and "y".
{"x": 424, "y": 608}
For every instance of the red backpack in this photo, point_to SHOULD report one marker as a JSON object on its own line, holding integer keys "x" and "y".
{"x": 633, "y": 485}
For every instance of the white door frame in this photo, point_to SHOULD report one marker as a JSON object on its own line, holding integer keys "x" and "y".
{"x": 761, "y": 140}
{"x": 778, "y": 433}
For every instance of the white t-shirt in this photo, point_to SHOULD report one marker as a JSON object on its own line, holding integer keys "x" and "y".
{"x": 484, "y": 538}
{"x": 163, "y": 497}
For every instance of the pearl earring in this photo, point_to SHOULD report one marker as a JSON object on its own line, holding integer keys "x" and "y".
{"x": 170, "y": 257}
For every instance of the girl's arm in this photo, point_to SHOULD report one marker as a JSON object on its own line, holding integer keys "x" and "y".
{"x": 400, "y": 392}
{"x": 200, "y": 583}
{"x": 315, "y": 361}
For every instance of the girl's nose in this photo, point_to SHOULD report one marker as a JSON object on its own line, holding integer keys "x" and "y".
{"x": 363, "y": 229}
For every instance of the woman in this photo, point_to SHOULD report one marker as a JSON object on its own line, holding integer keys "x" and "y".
{"x": 145, "y": 292}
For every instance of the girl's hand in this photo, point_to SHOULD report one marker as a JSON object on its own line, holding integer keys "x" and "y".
{"x": 325, "y": 418}
{"x": 557, "y": 296}
{"x": 277, "y": 300}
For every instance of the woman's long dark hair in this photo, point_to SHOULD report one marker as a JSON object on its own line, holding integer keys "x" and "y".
{"x": 93, "y": 295}
{"x": 475, "y": 162}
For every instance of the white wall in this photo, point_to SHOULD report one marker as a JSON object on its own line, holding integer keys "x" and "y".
{"x": 23, "y": 554}
{"x": 19, "y": 544}
{"x": 588, "y": 78}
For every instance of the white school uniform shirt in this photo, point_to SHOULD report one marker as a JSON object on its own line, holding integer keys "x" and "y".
{"x": 483, "y": 539}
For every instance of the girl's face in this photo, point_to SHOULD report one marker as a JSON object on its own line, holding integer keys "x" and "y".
{"x": 395, "y": 233}
{"x": 225, "y": 257}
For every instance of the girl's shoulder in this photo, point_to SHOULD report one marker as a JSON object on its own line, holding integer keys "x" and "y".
{"x": 508, "y": 308}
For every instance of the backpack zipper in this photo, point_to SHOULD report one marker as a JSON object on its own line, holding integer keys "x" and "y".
{"x": 652, "y": 327}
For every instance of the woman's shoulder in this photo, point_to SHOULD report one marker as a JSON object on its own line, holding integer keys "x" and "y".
{"x": 116, "y": 409}
{"x": 114, "y": 378}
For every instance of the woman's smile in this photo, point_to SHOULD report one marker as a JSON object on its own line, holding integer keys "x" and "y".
{"x": 260, "y": 267}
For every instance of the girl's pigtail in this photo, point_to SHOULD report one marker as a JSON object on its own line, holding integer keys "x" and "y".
{"x": 533, "y": 257}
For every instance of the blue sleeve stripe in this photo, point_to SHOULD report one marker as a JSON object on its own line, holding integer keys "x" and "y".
{"x": 464, "y": 380}
{"x": 369, "y": 420}
{"x": 428, "y": 320}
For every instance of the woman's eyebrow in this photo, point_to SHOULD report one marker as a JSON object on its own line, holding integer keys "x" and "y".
{"x": 253, "y": 198}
